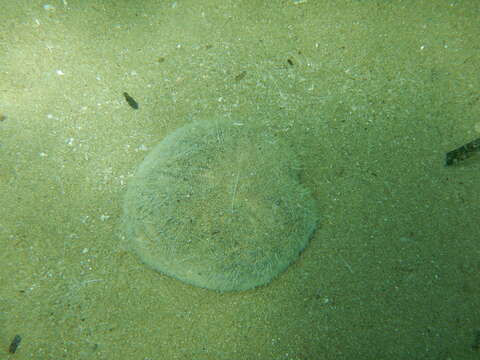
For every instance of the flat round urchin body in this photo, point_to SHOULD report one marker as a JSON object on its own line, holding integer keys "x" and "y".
{"x": 219, "y": 205}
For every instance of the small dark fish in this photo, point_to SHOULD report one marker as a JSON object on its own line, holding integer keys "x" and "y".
{"x": 131, "y": 101}
{"x": 14, "y": 344}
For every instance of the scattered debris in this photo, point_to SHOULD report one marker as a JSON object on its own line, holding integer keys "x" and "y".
{"x": 131, "y": 101}
{"x": 48, "y": 7}
{"x": 14, "y": 344}
{"x": 462, "y": 153}
{"x": 476, "y": 341}
{"x": 240, "y": 76}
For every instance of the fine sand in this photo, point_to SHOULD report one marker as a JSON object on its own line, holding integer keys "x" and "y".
{"x": 369, "y": 95}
